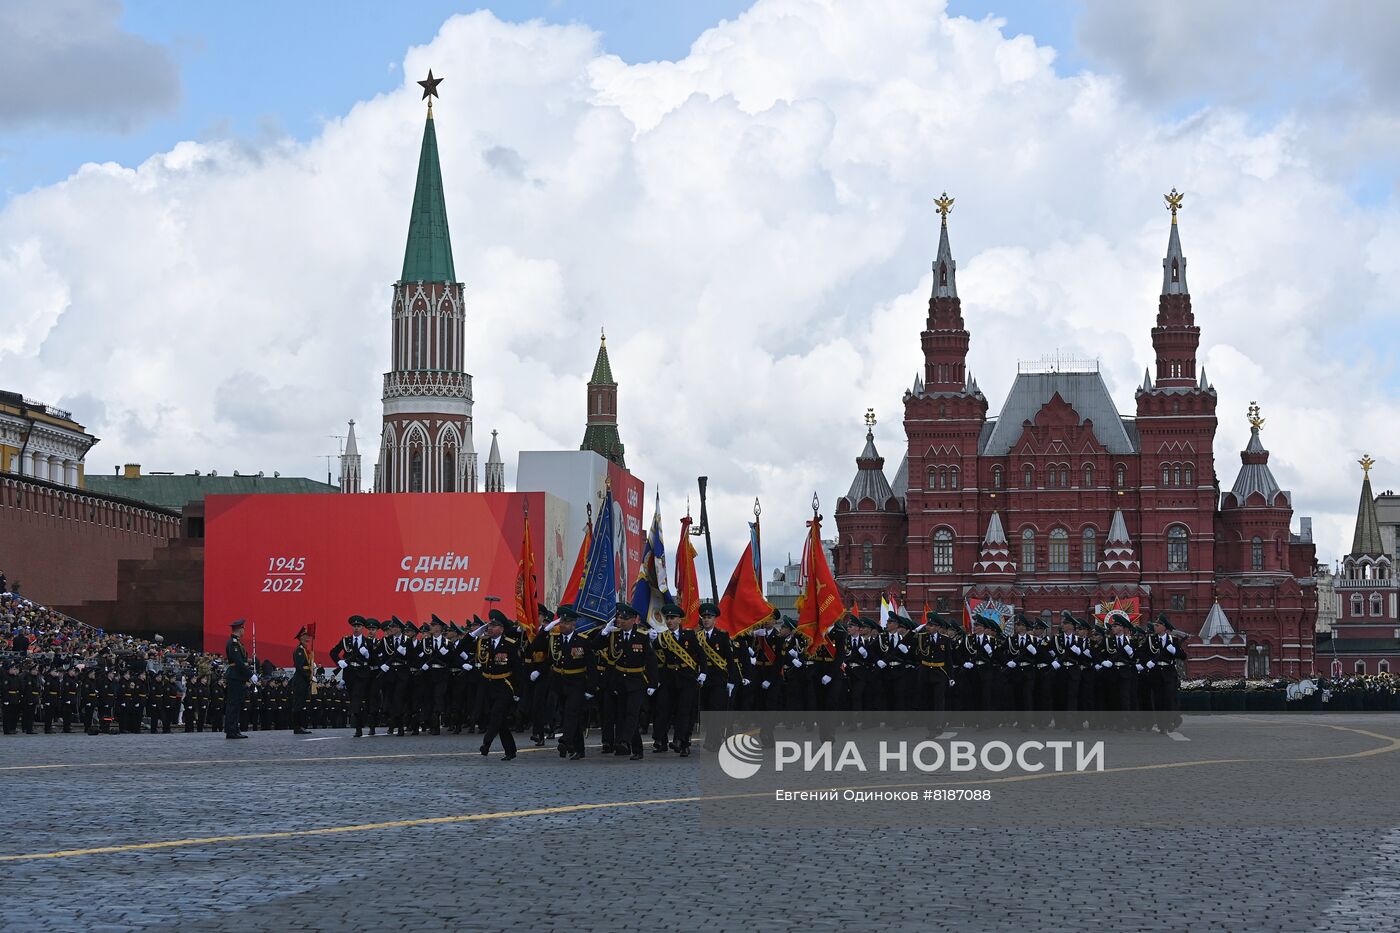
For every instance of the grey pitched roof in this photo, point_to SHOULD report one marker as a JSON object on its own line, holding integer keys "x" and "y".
{"x": 495, "y": 455}
{"x": 172, "y": 491}
{"x": 945, "y": 287}
{"x": 352, "y": 449}
{"x": 1085, "y": 392}
{"x": 900, "y": 487}
{"x": 870, "y": 482}
{"x": 1367, "y": 539}
{"x": 1255, "y": 475}
{"x": 1118, "y": 530}
{"x": 1217, "y": 626}
{"x": 1174, "y": 254}
{"x": 995, "y": 533}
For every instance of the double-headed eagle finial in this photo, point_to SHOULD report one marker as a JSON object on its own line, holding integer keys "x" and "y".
{"x": 1173, "y": 200}
{"x": 944, "y": 205}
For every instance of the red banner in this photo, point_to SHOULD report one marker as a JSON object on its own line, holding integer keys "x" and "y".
{"x": 283, "y": 561}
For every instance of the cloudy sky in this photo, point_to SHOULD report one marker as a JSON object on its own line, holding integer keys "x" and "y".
{"x": 202, "y": 210}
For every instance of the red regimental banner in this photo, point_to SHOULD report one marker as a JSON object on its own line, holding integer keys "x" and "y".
{"x": 627, "y": 493}
{"x": 282, "y": 561}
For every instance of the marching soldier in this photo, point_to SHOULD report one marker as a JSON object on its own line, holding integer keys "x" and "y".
{"x": 931, "y": 646}
{"x": 985, "y": 655}
{"x": 535, "y": 699}
{"x": 715, "y": 678}
{"x": 572, "y": 673}
{"x": 394, "y": 663}
{"x": 768, "y": 665}
{"x": 301, "y": 681}
{"x": 462, "y": 681}
{"x": 636, "y": 676}
{"x": 240, "y": 673}
{"x": 1020, "y": 670}
{"x": 797, "y": 679}
{"x": 677, "y": 669}
{"x": 1163, "y": 653}
{"x": 1066, "y": 653}
{"x": 501, "y": 670}
{"x": 352, "y": 654}
{"x": 436, "y": 657}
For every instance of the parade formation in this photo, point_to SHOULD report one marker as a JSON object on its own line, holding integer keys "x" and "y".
{"x": 493, "y": 680}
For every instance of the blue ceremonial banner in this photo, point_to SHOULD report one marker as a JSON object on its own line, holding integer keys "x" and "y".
{"x": 597, "y": 598}
{"x": 651, "y": 591}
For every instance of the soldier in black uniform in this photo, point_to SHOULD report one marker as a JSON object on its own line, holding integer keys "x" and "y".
{"x": 679, "y": 663}
{"x": 396, "y": 656}
{"x": 714, "y": 680}
{"x": 13, "y": 696}
{"x": 353, "y": 654}
{"x": 931, "y": 646}
{"x": 301, "y": 681}
{"x": 535, "y": 698}
{"x": 1066, "y": 652}
{"x": 239, "y": 674}
{"x": 573, "y": 674}
{"x": 501, "y": 668}
{"x": 461, "y": 679}
{"x": 1162, "y": 653}
{"x": 437, "y": 656}
{"x": 636, "y": 675}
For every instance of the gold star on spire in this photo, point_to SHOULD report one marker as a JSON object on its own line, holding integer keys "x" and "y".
{"x": 1255, "y": 421}
{"x": 1366, "y": 464}
{"x": 944, "y": 205}
{"x": 1174, "y": 202}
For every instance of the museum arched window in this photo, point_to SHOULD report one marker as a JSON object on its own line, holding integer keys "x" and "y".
{"x": 867, "y": 558}
{"x": 1088, "y": 476}
{"x": 953, "y": 478}
{"x": 1028, "y": 477}
{"x": 1178, "y": 549}
{"x": 1090, "y": 554}
{"x": 1376, "y": 604}
{"x": 996, "y": 477}
{"x": 1120, "y": 477}
{"x": 943, "y": 551}
{"x": 1256, "y": 553}
{"x": 1059, "y": 551}
{"x": 1028, "y": 551}
{"x": 415, "y": 469}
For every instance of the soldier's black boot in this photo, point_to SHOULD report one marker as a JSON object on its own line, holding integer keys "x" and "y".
{"x": 359, "y": 733}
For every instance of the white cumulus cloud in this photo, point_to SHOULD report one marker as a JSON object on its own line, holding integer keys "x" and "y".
{"x": 752, "y": 224}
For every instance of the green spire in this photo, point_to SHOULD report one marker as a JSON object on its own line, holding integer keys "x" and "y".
{"x": 428, "y": 257}
{"x": 602, "y": 370}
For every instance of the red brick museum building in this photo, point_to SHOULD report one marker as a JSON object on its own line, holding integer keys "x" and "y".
{"x": 1059, "y": 502}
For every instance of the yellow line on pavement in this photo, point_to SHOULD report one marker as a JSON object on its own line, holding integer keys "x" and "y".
{"x": 1391, "y": 744}
{"x": 366, "y": 827}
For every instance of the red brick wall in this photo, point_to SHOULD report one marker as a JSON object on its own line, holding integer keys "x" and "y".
{"x": 62, "y": 545}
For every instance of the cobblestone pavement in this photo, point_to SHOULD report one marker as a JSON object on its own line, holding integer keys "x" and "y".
{"x": 526, "y": 845}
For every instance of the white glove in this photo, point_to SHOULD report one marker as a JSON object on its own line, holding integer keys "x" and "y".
{"x": 342, "y": 664}
{"x": 796, "y": 662}
{"x": 1055, "y": 665}
{"x": 1151, "y": 665}
{"x": 792, "y": 652}
{"x": 1171, "y": 649}
{"x": 967, "y": 664}
{"x": 255, "y": 678}
{"x": 700, "y": 679}
{"x": 1105, "y": 664}
{"x": 765, "y": 685}
{"x": 1075, "y": 649}
{"x": 903, "y": 648}
{"x": 1010, "y": 663}
{"x": 1031, "y": 648}
{"x": 1128, "y": 648}
{"x": 588, "y": 696}
{"x": 466, "y": 667}
{"x": 534, "y": 675}
{"x": 364, "y": 650}
{"x": 861, "y": 652}
{"x": 609, "y": 629}
{"x": 384, "y": 668}
{"x": 745, "y": 681}
{"x": 650, "y": 690}
{"x": 443, "y": 650}
{"x": 403, "y": 650}
{"x": 731, "y": 689}
{"x": 550, "y": 626}
{"x": 882, "y": 665}
{"x": 425, "y": 667}
{"x": 987, "y": 647}
{"x": 1139, "y": 668}
{"x": 826, "y": 679}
